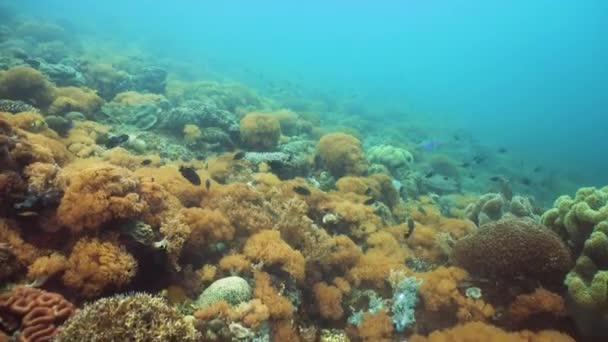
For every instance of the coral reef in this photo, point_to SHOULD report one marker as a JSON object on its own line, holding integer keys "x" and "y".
{"x": 493, "y": 206}
{"x": 28, "y": 85}
{"x": 260, "y": 130}
{"x": 342, "y": 154}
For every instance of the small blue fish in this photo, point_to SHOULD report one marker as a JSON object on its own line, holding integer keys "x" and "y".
{"x": 429, "y": 145}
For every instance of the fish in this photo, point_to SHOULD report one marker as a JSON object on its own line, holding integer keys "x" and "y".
{"x": 368, "y": 191}
{"x": 190, "y": 174}
{"x": 502, "y": 150}
{"x": 526, "y": 181}
{"x": 465, "y": 164}
{"x": 146, "y": 162}
{"x": 421, "y": 210}
{"x": 410, "y": 227}
{"x": 27, "y": 213}
{"x": 478, "y": 159}
{"x": 301, "y": 190}
{"x": 369, "y": 201}
{"x": 429, "y": 145}
{"x": 497, "y": 179}
{"x": 537, "y": 169}
{"x": 117, "y": 140}
{"x": 445, "y": 178}
{"x": 429, "y": 174}
{"x": 207, "y": 184}
{"x": 239, "y": 155}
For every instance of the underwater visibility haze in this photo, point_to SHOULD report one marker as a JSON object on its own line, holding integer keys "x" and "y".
{"x": 303, "y": 170}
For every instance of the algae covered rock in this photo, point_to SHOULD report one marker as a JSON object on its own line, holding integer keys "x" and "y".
{"x": 233, "y": 290}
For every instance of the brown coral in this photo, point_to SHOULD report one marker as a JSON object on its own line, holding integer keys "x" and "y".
{"x": 260, "y": 130}
{"x": 539, "y": 301}
{"x": 46, "y": 267}
{"x": 74, "y": 99}
{"x": 279, "y": 307}
{"x": 329, "y": 300}
{"x": 40, "y": 312}
{"x": 511, "y": 247}
{"x": 268, "y": 247}
{"x": 26, "y": 84}
{"x": 342, "y": 154}
{"x": 98, "y": 194}
{"x": 376, "y": 328}
{"x": 95, "y": 266}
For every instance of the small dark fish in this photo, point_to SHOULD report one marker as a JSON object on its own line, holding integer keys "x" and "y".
{"x": 190, "y": 174}
{"x": 456, "y": 137}
{"x": 496, "y": 179}
{"x": 368, "y": 191}
{"x": 478, "y": 159}
{"x": 239, "y": 155}
{"x": 502, "y": 150}
{"x": 537, "y": 169}
{"x": 369, "y": 201}
{"x": 410, "y": 227}
{"x": 146, "y": 162}
{"x": 117, "y": 140}
{"x": 302, "y": 190}
{"x": 526, "y": 181}
{"x": 465, "y": 164}
{"x": 445, "y": 178}
{"x": 429, "y": 174}
{"x": 421, "y": 210}
{"x": 207, "y": 184}
{"x": 27, "y": 213}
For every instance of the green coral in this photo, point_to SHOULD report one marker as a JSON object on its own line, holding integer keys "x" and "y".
{"x": 233, "y": 290}
{"x": 583, "y": 222}
{"x": 135, "y": 317}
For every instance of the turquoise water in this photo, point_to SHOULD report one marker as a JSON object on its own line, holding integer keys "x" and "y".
{"x": 527, "y": 75}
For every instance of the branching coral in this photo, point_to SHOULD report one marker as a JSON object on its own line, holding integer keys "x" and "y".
{"x": 268, "y": 248}
{"x": 342, "y": 154}
{"x": 135, "y": 317}
{"x": 95, "y": 266}
{"x": 98, "y": 194}
{"x": 40, "y": 312}
{"x": 260, "y": 130}
{"x": 511, "y": 247}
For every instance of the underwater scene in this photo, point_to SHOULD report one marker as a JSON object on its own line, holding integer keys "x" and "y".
{"x": 365, "y": 171}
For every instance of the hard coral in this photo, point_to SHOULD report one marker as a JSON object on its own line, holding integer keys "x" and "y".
{"x": 26, "y": 84}
{"x": 260, "y": 130}
{"x": 342, "y": 154}
{"x": 268, "y": 247}
{"x": 135, "y": 317}
{"x": 511, "y": 247}
{"x": 232, "y": 290}
{"x": 39, "y": 311}
{"x": 95, "y": 266}
{"x": 98, "y": 194}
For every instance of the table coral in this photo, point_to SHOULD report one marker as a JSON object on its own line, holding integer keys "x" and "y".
{"x": 40, "y": 312}
{"x": 95, "y": 266}
{"x": 98, "y": 194}
{"x": 134, "y": 317}
{"x": 511, "y": 247}
{"x": 342, "y": 154}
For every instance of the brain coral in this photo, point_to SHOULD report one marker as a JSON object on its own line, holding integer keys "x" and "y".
{"x": 342, "y": 154}
{"x": 233, "y": 290}
{"x": 95, "y": 266}
{"x": 513, "y": 246}
{"x": 260, "y": 130}
{"x": 98, "y": 194}
{"x": 135, "y": 317}
{"x": 39, "y": 311}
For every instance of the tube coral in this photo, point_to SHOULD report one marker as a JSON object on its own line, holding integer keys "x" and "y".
{"x": 95, "y": 266}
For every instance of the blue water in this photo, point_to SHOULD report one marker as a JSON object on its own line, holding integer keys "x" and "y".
{"x": 529, "y": 75}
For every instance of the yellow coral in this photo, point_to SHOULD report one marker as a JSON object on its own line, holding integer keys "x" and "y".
{"x": 342, "y": 154}
{"x": 74, "y": 99}
{"x": 279, "y": 307}
{"x": 95, "y": 266}
{"x": 329, "y": 300}
{"x": 268, "y": 247}
{"x": 46, "y": 266}
{"x": 26, "y": 84}
{"x": 192, "y": 133}
{"x": 260, "y": 130}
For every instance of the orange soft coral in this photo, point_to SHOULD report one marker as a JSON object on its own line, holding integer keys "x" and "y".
{"x": 342, "y": 154}
{"x": 95, "y": 266}
{"x": 98, "y": 194}
{"x": 376, "y": 328}
{"x": 481, "y": 332}
{"x": 206, "y": 226}
{"x": 329, "y": 300}
{"x": 46, "y": 267}
{"x": 539, "y": 301}
{"x": 234, "y": 263}
{"x": 440, "y": 292}
{"x": 268, "y": 247}
{"x": 279, "y": 307}
{"x": 260, "y": 130}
